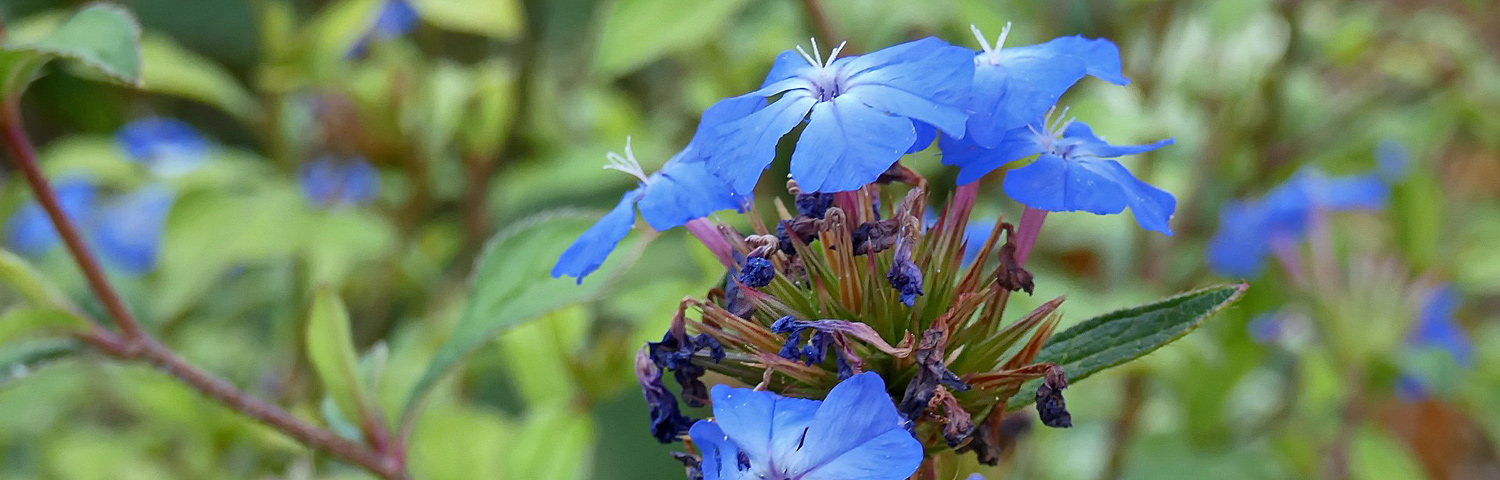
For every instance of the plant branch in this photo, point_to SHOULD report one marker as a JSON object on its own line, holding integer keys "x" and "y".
{"x": 132, "y": 343}
{"x": 823, "y": 26}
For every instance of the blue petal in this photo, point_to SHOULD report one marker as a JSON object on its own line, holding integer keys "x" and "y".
{"x": 128, "y": 231}
{"x": 722, "y": 112}
{"x": 788, "y": 65}
{"x": 396, "y": 17}
{"x": 847, "y": 144}
{"x": 767, "y": 427}
{"x": 1017, "y": 91}
{"x": 1100, "y": 57}
{"x": 1079, "y": 141}
{"x": 590, "y": 249}
{"x": 1353, "y": 192}
{"x": 31, "y": 231}
{"x": 856, "y": 433}
{"x": 744, "y": 147}
{"x": 1098, "y": 186}
{"x": 925, "y": 135}
{"x": 925, "y": 79}
{"x": 720, "y": 454}
{"x": 167, "y": 146}
{"x": 684, "y": 190}
{"x": 1240, "y": 246}
{"x": 1436, "y": 326}
{"x": 339, "y": 183}
{"x": 1393, "y": 160}
{"x": 975, "y": 161}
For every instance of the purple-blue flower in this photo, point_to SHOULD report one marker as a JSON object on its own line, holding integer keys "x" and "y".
{"x": 1436, "y": 328}
{"x": 859, "y": 110}
{"x": 1075, "y": 171}
{"x": 31, "y": 232}
{"x": 854, "y": 433}
{"x": 1015, "y": 86}
{"x": 1248, "y": 228}
{"x": 127, "y": 230}
{"x": 394, "y": 19}
{"x": 331, "y": 183}
{"x": 683, "y": 190}
{"x": 166, "y": 146}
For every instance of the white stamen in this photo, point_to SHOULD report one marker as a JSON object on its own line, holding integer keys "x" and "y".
{"x": 1004, "y": 32}
{"x": 816, "y": 57}
{"x": 984, "y": 44}
{"x": 626, "y": 163}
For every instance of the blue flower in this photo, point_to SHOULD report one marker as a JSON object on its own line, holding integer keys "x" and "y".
{"x": 333, "y": 183}
{"x": 683, "y": 190}
{"x": 1436, "y": 327}
{"x": 854, "y": 433}
{"x": 1015, "y": 86}
{"x": 31, "y": 231}
{"x": 394, "y": 19}
{"x": 1074, "y": 172}
{"x": 167, "y": 146}
{"x": 859, "y": 112}
{"x": 1248, "y": 228}
{"x": 128, "y": 230}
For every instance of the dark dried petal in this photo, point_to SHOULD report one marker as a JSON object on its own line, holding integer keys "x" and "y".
{"x": 692, "y": 463}
{"x": 875, "y": 237}
{"x": 957, "y": 423}
{"x": 931, "y": 373}
{"x": 997, "y": 435}
{"x": 906, "y": 278}
{"x": 1050, "y": 406}
{"x": 813, "y": 205}
{"x": 675, "y": 354}
{"x": 757, "y": 273}
{"x": 1011, "y": 276}
{"x": 900, "y": 173}
{"x": 667, "y": 421}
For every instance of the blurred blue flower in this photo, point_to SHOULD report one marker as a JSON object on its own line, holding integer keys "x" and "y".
{"x": 1015, "y": 86}
{"x": 127, "y": 230}
{"x": 331, "y": 183}
{"x": 683, "y": 190}
{"x": 1075, "y": 171}
{"x": 166, "y": 146}
{"x": 31, "y": 232}
{"x": 1436, "y": 328}
{"x": 1247, "y": 228}
{"x": 854, "y": 433}
{"x": 395, "y": 18}
{"x": 859, "y": 112}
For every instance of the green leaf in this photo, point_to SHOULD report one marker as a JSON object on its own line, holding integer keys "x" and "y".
{"x": 18, "y": 361}
{"x": 104, "y": 38}
{"x": 1124, "y": 335}
{"x": 173, "y": 70}
{"x": 637, "y": 32}
{"x": 555, "y": 443}
{"x": 501, "y": 19}
{"x": 512, "y": 283}
{"x": 18, "y": 69}
{"x": 330, "y": 348}
{"x": 20, "y": 321}
{"x": 17, "y": 274}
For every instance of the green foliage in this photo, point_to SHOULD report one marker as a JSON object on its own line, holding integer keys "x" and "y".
{"x": 19, "y": 360}
{"x": 1118, "y": 337}
{"x": 330, "y": 348}
{"x": 104, "y": 38}
{"x": 512, "y": 283}
{"x": 636, "y": 32}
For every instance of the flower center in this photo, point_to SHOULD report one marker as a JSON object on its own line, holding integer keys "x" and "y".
{"x": 987, "y": 54}
{"x": 1054, "y": 123}
{"x": 826, "y": 79}
{"x": 626, "y": 163}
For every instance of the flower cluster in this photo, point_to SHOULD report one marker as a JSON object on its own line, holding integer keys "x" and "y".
{"x": 126, "y": 227}
{"x": 855, "y": 295}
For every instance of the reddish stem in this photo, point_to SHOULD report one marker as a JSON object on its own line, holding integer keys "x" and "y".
{"x": 709, "y": 234}
{"x": 132, "y": 343}
{"x": 1026, "y": 233}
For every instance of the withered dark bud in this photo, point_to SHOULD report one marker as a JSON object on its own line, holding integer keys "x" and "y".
{"x": 667, "y": 421}
{"x": 957, "y": 423}
{"x": 813, "y": 205}
{"x": 675, "y": 353}
{"x": 875, "y": 237}
{"x": 1050, "y": 406}
{"x": 804, "y": 229}
{"x": 692, "y": 463}
{"x": 931, "y": 372}
{"x": 734, "y": 300}
{"x": 904, "y": 276}
{"x": 1011, "y": 276}
{"x": 758, "y": 272}
{"x": 996, "y": 436}
{"x": 900, "y": 173}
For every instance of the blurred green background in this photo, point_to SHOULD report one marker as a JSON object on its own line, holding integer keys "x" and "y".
{"x": 487, "y": 112}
